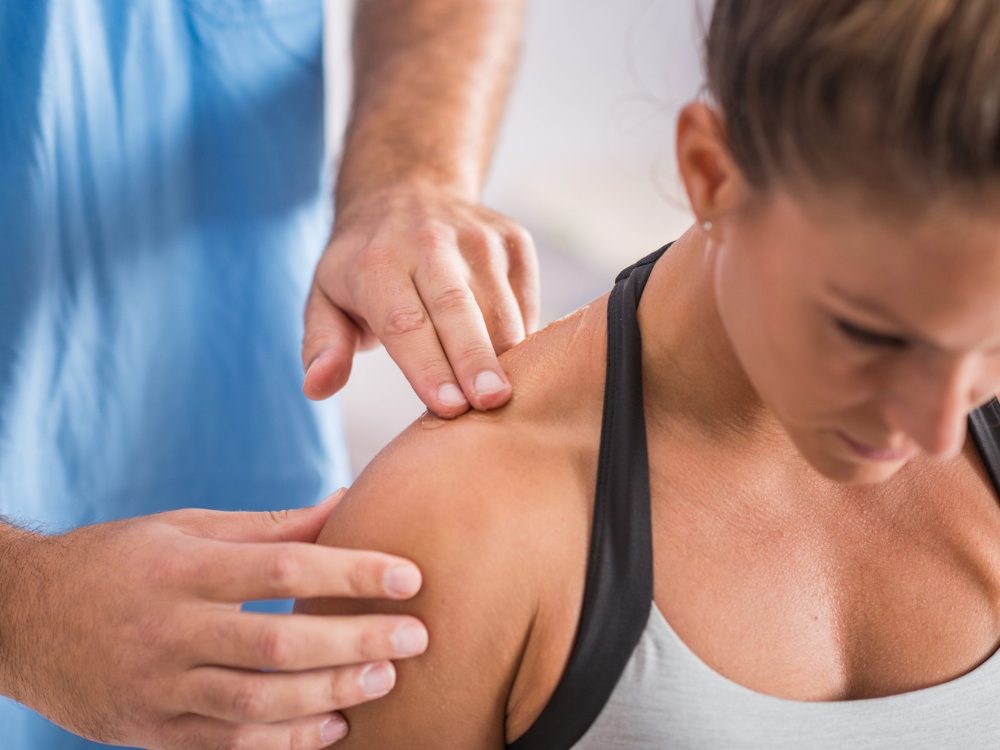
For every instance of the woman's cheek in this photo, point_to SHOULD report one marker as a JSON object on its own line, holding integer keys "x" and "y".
{"x": 844, "y": 374}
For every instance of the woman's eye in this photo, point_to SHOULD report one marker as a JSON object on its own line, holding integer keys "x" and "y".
{"x": 869, "y": 338}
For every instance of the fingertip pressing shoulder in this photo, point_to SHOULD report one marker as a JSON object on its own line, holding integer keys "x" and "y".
{"x": 551, "y": 371}
{"x": 490, "y": 473}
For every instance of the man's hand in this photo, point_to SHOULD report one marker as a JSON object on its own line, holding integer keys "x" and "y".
{"x": 415, "y": 261}
{"x": 444, "y": 284}
{"x": 131, "y": 632}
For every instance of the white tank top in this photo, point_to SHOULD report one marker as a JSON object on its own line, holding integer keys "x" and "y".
{"x": 667, "y": 697}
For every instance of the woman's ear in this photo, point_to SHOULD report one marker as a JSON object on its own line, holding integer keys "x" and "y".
{"x": 715, "y": 185}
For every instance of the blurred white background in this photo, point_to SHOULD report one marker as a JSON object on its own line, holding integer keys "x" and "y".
{"x": 585, "y": 161}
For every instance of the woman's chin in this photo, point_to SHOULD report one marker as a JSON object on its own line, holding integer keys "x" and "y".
{"x": 855, "y": 470}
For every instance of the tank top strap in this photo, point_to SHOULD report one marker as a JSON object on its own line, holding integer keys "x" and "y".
{"x": 618, "y": 589}
{"x": 984, "y": 426}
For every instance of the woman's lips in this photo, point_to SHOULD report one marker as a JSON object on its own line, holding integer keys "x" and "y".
{"x": 876, "y": 454}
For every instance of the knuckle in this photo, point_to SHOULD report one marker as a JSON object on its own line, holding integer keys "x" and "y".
{"x": 149, "y": 632}
{"x": 358, "y": 581}
{"x": 520, "y": 241}
{"x": 432, "y": 372}
{"x": 453, "y": 298}
{"x": 372, "y": 260}
{"x": 343, "y": 688}
{"x": 283, "y": 573}
{"x": 166, "y": 570}
{"x": 221, "y": 630}
{"x": 276, "y": 649}
{"x": 403, "y": 320}
{"x": 432, "y": 236}
{"x": 248, "y": 702}
{"x": 477, "y": 351}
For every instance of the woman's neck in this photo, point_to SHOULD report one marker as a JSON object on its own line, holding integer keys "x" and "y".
{"x": 693, "y": 378}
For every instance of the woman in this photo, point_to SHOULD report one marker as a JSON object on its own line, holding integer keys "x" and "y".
{"x": 794, "y": 540}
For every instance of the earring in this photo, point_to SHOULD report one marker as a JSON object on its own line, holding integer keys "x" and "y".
{"x": 707, "y": 225}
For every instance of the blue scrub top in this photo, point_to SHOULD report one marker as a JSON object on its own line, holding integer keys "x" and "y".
{"x": 163, "y": 200}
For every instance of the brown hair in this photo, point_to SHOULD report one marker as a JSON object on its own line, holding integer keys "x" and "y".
{"x": 899, "y": 97}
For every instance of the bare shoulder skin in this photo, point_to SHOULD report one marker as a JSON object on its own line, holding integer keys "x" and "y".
{"x": 495, "y": 509}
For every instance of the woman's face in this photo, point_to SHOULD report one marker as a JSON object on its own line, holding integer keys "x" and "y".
{"x": 870, "y": 339}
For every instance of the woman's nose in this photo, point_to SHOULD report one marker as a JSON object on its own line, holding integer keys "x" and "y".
{"x": 934, "y": 407}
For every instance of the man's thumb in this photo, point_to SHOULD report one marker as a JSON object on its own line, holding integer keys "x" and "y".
{"x": 328, "y": 346}
{"x": 300, "y": 525}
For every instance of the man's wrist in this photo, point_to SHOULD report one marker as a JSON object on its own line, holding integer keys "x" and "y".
{"x": 404, "y": 195}
{"x": 404, "y": 186}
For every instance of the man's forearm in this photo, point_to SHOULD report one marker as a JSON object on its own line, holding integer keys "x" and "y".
{"x": 431, "y": 78}
{"x": 15, "y": 568}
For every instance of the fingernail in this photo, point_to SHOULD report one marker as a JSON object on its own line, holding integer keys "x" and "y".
{"x": 409, "y": 640}
{"x": 333, "y": 730}
{"x": 315, "y": 360}
{"x": 378, "y": 679}
{"x": 311, "y": 365}
{"x": 403, "y": 580}
{"x": 488, "y": 382}
{"x": 450, "y": 394}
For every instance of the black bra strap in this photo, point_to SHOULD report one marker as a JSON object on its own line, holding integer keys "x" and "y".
{"x": 984, "y": 426}
{"x": 618, "y": 591}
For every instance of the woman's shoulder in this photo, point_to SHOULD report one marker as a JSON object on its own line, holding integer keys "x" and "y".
{"x": 495, "y": 509}
{"x": 552, "y": 418}
{"x": 487, "y": 476}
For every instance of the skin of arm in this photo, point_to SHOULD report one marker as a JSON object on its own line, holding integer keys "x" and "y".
{"x": 14, "y": 543}
{"x": 495, "y": 508}
{"x": 431, "y": 78}
{"x": 414, "y": 261}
